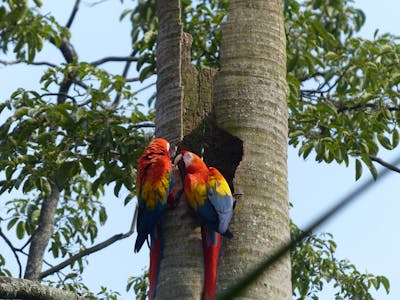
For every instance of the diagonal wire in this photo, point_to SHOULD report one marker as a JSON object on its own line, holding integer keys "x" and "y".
{"x": 243, "y": 282}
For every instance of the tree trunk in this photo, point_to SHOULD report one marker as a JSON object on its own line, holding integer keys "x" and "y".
{"x": 250, "y": 103}
{"x": 42, "y": 235}
{"x": 181, "y": 265}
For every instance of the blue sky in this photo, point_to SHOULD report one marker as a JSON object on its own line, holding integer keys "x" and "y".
{"x": 365, "y": 232}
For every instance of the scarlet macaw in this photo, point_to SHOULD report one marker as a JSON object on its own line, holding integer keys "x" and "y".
{"x": 153, "y": 185}
{"x": 209, "y": 195}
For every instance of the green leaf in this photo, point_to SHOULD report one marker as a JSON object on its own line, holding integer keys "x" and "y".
{"x": 117, "y": 188}
{"x": 146, "y": 72}
{"x": 384, "y": 141}
{"x": 29, "y": 184}
{"x": 21, "y": 112}
{"x": 89, "y": 166}
{"x": 305, "y": 149}
{"x": 327, "y": 36}
{"x": 358, "y": 169}
{"x": 45, "y": 186}
{"x": 395, "y": 138}
{"x": 128, "y": 199}
{"x": 38, "y": 3}
{"x": 55, "y": 249}
{"x": 373, "y": 170}
{"x": 102, "y": 215}
{"x": 21, "y": 230}
{"x": 125, "y": 13}
{"x": 12, "y": 223}
{"x": 386, "y": 284}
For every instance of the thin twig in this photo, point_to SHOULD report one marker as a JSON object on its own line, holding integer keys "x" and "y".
{"x": 80, "y": 83}
{"x": 384, "y": 163}
{"x": 90, "y": 250}
{"x": 143, "y": 125}
{"x": 133, "y": 79}
{"x": 124, "y": 75}
{"x": 14, "y": 251}
{"x": 58, "y": 94}
{"x": 145, "y": 88}
{"x": 96, "y": 3}
{"x": 37, "y": 63}
{"x": 114, "y": 59}
{"x": 73, "y": 14}
{"x": 25, "y": 245}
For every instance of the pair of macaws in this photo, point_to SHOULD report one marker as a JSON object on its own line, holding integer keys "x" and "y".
{"x": 207, "y": 193}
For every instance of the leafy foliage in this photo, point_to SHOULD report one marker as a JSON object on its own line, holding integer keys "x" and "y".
{"x": 83, "y": 129}
{"x": 26, "y": 30}
{"x": 3, "y": 270}
{"x": 70, "y": 137}
{"x": 343, "y": 98}
{"x": 314, "y": 263}
{"x": 140, "y": 285}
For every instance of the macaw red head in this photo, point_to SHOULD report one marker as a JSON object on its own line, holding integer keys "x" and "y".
{"x": 193, "y": 162}
{"x": 158, "y": 146}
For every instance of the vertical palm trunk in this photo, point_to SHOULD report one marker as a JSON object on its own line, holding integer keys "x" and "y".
{"x": 250, "y": 103}
{"x": 181, "y": 267}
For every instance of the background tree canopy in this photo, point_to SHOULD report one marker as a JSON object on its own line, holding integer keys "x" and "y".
{"x": 75, "y": 138}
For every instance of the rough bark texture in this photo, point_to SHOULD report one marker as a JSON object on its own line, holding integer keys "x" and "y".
{"x": 169, "y": 81}
{"x": 13, "y": 288}
{"x": 181, "y": 266}
{"x": 250, "y": 103}
{"x": 42, "y": 235}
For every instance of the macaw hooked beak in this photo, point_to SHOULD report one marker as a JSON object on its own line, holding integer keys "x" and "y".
{"x": 177, "y": 159}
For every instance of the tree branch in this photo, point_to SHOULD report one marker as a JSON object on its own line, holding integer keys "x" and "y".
{"x": 42, "y": 235}
{"x": 384, "y": 163}
{"x": 69, "y": 54}
{"x": 145, "y": 88}
{"x": 143, "y": 125}
{"x": 128, "y": 59}
{"x": 14, "y": 250}
{"x": 73, "y": 14}
{"x": 57, "y": 94}
{"x": 15, "y": 288}
{"x": 125, "y": 75}
{"x": 133, "y": 79}
{"x": 96, "y": 3}
{"x": 367, "y": 105}
{"x": 91, "y": 250}
{"x": 37, "y": 63}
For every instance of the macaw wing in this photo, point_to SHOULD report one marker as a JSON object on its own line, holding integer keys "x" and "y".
{"x": 221, "y": 200}
{"x": 208, "y": 215}
{"x": 152, "y": 201}
{"x": 197, "y": 197}
{"x": 147, "y": 222}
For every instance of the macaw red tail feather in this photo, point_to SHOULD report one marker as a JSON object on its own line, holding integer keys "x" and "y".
{"x": 155, "y": 259}
{"x": 211, "y": 246}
